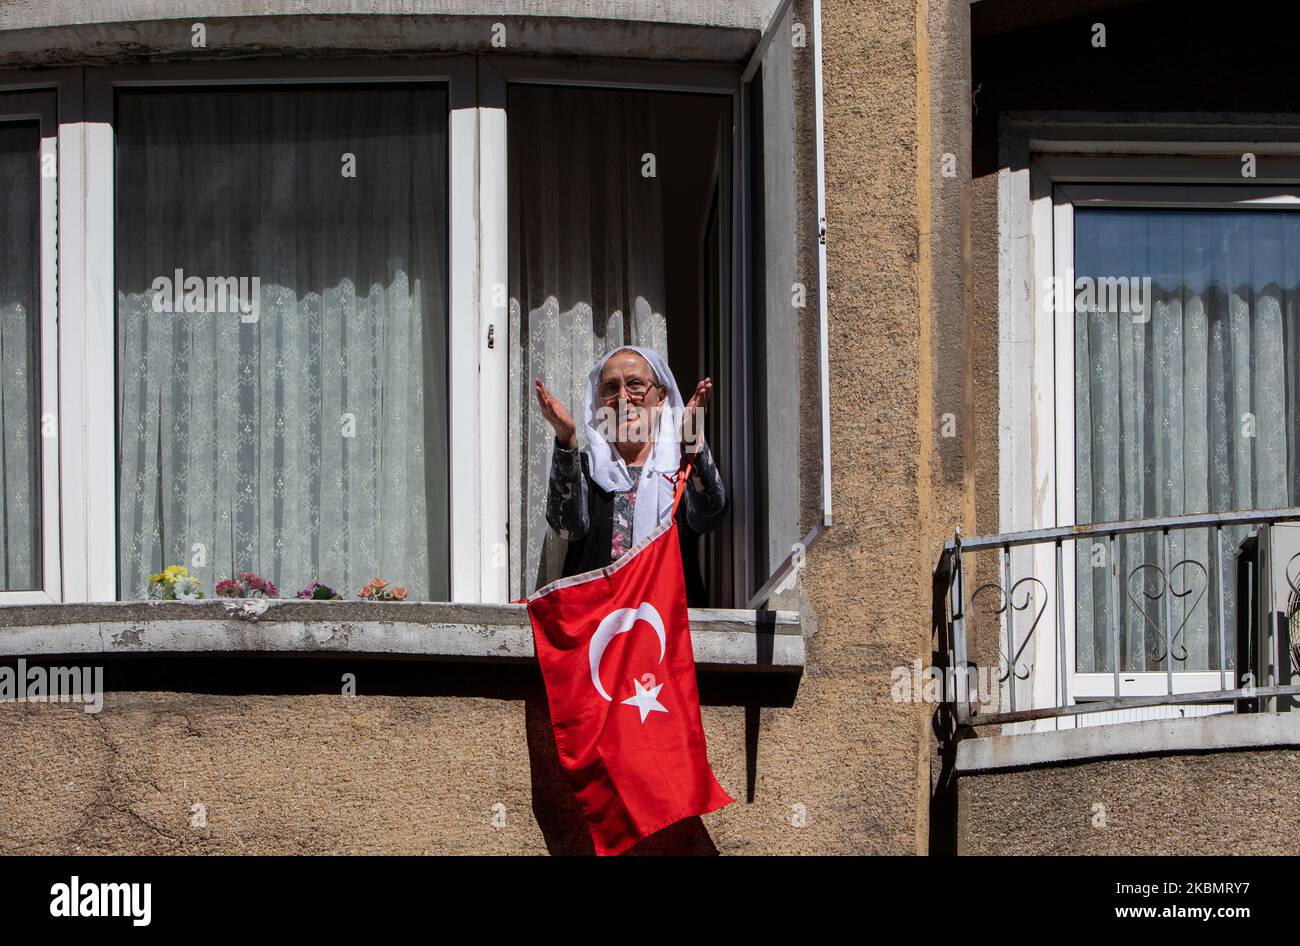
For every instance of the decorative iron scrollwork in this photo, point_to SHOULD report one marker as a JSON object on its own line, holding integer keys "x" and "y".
{"x": 1293, "y": 611}
{"x": 1167, "y": 584}
{"x": 1007, "y": 666}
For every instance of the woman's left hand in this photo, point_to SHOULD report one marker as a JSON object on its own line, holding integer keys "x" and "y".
{"x": 693, "y": 420}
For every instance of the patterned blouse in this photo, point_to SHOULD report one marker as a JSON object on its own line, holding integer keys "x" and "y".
{"x": 566, "y": 502}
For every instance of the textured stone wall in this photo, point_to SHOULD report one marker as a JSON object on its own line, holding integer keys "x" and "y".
{"x": 1216, "y": 803}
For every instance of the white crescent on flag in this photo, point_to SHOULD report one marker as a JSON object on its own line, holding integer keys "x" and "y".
{"x": 620, "y": 622}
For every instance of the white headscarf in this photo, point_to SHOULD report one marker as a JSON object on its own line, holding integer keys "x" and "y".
{"x": 654, "y": 494}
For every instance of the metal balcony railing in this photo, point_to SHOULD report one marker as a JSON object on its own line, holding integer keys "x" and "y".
{"x": 1147, "y": 592}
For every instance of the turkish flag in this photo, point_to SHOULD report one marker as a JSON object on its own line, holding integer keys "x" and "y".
{"x": 615, "y": 650}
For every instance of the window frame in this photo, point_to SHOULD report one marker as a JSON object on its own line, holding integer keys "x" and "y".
{"x": 82, "y": 551}
{"x": 1063, "y": 174}
{"x": 37, "y": 103}
{"x": 737, "y": 384}
{"x": 495, "y": 77}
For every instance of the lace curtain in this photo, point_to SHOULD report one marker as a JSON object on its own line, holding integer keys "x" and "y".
{"x": 1187, "y": 412}
{"x": 587, "y": 274}
{"x": 20, "y": 430}
{"x": 312, "y": 442}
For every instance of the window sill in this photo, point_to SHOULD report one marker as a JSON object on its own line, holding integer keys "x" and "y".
{"x": 765, "y": 641}
{"x": 1147, "y": 737}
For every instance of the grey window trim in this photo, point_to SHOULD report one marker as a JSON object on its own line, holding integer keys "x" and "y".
{"x": 790, "y": 565}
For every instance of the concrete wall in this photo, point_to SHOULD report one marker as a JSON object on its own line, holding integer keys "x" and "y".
{"x": 440, "y": 758}
{"x": 273, "y": 774}
{"x": 1226, "y": 802}
{"x": 43, "y": 32}
{"x": 282, "y": 762}
{"x": 952, "y": 413}
{"x": 442, "y": 762}
{"x": 39, "y": 14}
{"x": 869, "y": 580}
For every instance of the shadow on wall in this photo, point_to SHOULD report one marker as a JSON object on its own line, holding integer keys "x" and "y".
{"x": 559, "y": 814}
{"x": 555, "y": 807}
{"x": 943, "y": 724}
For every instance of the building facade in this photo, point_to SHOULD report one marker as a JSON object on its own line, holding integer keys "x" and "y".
{"x": 280, "y": 278}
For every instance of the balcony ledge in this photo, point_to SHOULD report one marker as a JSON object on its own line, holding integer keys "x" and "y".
{"x": 765, "y": 641}
{"x": 1116, "y": 740}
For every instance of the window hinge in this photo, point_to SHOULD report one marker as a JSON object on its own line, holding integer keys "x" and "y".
{"x": 492, "y": 336}
{"x": 821, "y": 230}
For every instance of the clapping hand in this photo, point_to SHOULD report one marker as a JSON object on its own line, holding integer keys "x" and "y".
{"x": 557, "y": 415}
{"x": 693, "y": 419}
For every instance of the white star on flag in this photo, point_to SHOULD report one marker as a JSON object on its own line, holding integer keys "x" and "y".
{"x": 646, "y": 700}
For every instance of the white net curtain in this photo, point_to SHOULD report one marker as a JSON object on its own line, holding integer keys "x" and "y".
{"x": 312, "y": 443}
{"x": 587, "y": 273}
{"x": 1192, "y": 410}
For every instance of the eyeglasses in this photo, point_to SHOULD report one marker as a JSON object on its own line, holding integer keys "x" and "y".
{"x": 637, "y": 389}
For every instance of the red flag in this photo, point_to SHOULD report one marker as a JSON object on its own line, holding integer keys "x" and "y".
{"x": 615, "y": 651}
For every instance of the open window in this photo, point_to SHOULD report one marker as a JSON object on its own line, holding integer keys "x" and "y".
{"x": 678, "y": 208}
{"x": 615, "y": 238}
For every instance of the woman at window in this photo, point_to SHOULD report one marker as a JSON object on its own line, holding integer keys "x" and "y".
{"x": 618, "y": 491}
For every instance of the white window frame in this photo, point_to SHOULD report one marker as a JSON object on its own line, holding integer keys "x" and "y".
{"x": 1063, "y": 174}
{"x": 637, "y": 75}
{"x": 26, "y": 103}
{"x": 478, "y": 243}
{"x": 737, "y": 364}
{"x": 80, "y": 466}
{"x": 96, "y": 314}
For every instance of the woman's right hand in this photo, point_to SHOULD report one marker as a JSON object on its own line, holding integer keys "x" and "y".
{"x": 557, "y": 415}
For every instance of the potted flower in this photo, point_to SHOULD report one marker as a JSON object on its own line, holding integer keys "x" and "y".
{"x": 318, "y": 592}
{"x": 379, "y": 590}
{"x": 175, "y": 583}
{"x": 247, "y": 585}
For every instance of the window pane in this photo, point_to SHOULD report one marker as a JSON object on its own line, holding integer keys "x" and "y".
{"x": 281, "y": 336}
{"x": 1183, "y": 405}
{"x": 20, "y": 428}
